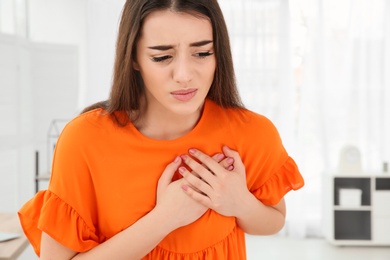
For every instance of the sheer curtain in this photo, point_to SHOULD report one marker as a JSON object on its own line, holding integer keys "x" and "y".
{"x": 341, "y": 51}
{"x": 262, "y": 53}
{"x": 318, "y": 70}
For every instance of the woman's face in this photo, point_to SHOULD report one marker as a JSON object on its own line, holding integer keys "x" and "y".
{"x": 175, "y": 57}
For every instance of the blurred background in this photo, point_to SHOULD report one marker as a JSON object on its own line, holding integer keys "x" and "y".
{"x": 319, "y": 69}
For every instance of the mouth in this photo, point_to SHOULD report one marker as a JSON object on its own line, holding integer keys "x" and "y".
{"x": 184, "y": 95}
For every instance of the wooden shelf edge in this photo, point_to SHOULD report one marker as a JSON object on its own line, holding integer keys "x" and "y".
{"x": 43, "y": 177}
{"x": 345, "y": 208}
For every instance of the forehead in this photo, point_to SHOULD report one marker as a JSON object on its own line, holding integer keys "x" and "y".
{"x": 169, "y": 27}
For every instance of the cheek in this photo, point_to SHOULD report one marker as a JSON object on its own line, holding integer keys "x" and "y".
{"x": 210, "y": 71}
{"x": 151, "y": 75}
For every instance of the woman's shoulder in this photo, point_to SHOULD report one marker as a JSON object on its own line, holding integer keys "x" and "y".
{"x": 241, "y": 117}
{"x": 89, "y": 124}
{"x": 245, "y": 124}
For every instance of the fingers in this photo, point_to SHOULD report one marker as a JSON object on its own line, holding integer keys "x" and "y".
{"x": 237, "y": 163}
{"x": 228, "y": 163}
{"x": 218, "y": 157}
{"x": 213, "y": 166}
{"x": 194, "y": 182}
{"x": 167, "y": 175}
{"x": 200, "y": 170}
{"x": 199, "y": 197}
{"x": 225, "y": 162}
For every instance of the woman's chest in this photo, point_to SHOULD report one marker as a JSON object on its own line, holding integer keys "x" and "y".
{"x": 125, "y": 181}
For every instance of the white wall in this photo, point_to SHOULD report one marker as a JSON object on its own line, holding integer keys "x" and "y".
{"x": 102, "y": 24}
{"x": 62, "y": 22}
{"x": 42, "y": 72}
{"x": 16, "y": 129}
{"x": 90, "y": 26}
{"x": 38, "y": 83}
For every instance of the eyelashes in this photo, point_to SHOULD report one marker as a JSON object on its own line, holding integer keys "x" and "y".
{"x": 200, "y": 55}
{"x": 203, "y": 54}
{"x": 161, "y": 58}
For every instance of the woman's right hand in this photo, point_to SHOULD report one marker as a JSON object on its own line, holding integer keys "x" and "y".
{"x": 178, "y": 208}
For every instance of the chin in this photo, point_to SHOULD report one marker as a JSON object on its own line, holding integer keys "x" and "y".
{"x": 188, "y": 108}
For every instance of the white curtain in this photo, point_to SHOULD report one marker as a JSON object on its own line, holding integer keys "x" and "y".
{"x": 344, "y": 90}
{"x": 260, "y": 38}
{"x": 318, "y": 69}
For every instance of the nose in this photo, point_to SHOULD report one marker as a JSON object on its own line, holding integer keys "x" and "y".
{"x": 182, "y": 70}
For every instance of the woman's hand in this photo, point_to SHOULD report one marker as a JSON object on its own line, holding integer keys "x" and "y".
{"x": 214, "y": 186}
{"x": 173, "y": 201}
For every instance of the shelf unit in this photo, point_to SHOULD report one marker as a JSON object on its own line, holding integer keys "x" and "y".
{"x": 39, "y": 176}
{"x": 55, "y": 129}
{"x": 365, "y": 224}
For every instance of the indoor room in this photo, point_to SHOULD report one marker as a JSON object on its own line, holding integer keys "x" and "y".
{"x": 319, "y": 70}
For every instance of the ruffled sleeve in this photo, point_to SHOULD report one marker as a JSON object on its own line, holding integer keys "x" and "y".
{"x": 48, "y": 213}
{"x": 67, "y": 211}
{"x": 287, "y": 178}
{"x": 271, "y": 172}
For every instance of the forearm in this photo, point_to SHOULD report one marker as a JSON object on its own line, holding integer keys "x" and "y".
{"x": 255, "y": 218}
{"x": 132, "y": 243}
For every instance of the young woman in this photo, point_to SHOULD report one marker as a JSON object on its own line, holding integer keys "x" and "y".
{"x": 171, "y": 166}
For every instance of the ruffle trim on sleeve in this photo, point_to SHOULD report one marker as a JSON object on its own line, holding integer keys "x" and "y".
{"x": 286, "y": 179}
{"x": 49, "y": 213}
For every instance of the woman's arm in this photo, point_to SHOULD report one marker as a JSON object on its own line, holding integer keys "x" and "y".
{"x": 226, "y": 192}
{"x": 255, "y": 218}
{"x": 132, "y": 243}
{"x": 173, "y": 210}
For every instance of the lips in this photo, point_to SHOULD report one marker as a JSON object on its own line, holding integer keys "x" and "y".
{"x": 184, "y": 95}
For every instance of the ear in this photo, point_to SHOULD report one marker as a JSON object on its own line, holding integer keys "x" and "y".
{"x": 135, "y": 65}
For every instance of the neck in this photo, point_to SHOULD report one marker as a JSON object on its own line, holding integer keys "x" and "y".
{"x": 160, "y": 125}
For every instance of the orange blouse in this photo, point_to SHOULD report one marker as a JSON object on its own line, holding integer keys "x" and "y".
{"x": 104, "y": 178}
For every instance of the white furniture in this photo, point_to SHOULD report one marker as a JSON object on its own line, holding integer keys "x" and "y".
{"x": 359, "y": 220}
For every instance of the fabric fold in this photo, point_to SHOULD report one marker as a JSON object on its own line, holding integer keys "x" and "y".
{"x": 48, "y": 213}
{"x": 287, "y": 178}
{"x": 219, "y": 251}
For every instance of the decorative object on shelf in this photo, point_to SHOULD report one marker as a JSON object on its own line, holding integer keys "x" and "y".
{"x": 350, "y": 160}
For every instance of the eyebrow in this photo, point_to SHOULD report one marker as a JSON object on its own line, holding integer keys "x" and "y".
{"x": 167, "y": 47}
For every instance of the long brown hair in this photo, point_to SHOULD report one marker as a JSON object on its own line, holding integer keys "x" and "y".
{"x": 127, "y": 86}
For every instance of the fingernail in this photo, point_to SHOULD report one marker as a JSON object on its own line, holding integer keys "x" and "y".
{"x": 220, "y": 156}
{"x": 230, "y": 160}
{"x": 177, "y": 159}
{"x": 182, "y": 169}
{"x": 184, "y": 157}
{"x": 192, "y": 151}
{"x": 230, "y": 168}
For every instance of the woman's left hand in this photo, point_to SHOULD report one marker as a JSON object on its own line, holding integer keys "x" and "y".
{"x": 220, "y": 189}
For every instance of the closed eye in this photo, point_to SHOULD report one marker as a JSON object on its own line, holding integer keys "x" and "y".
{"x": 203, "y": 54}
{"x": 160, "y": 58}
